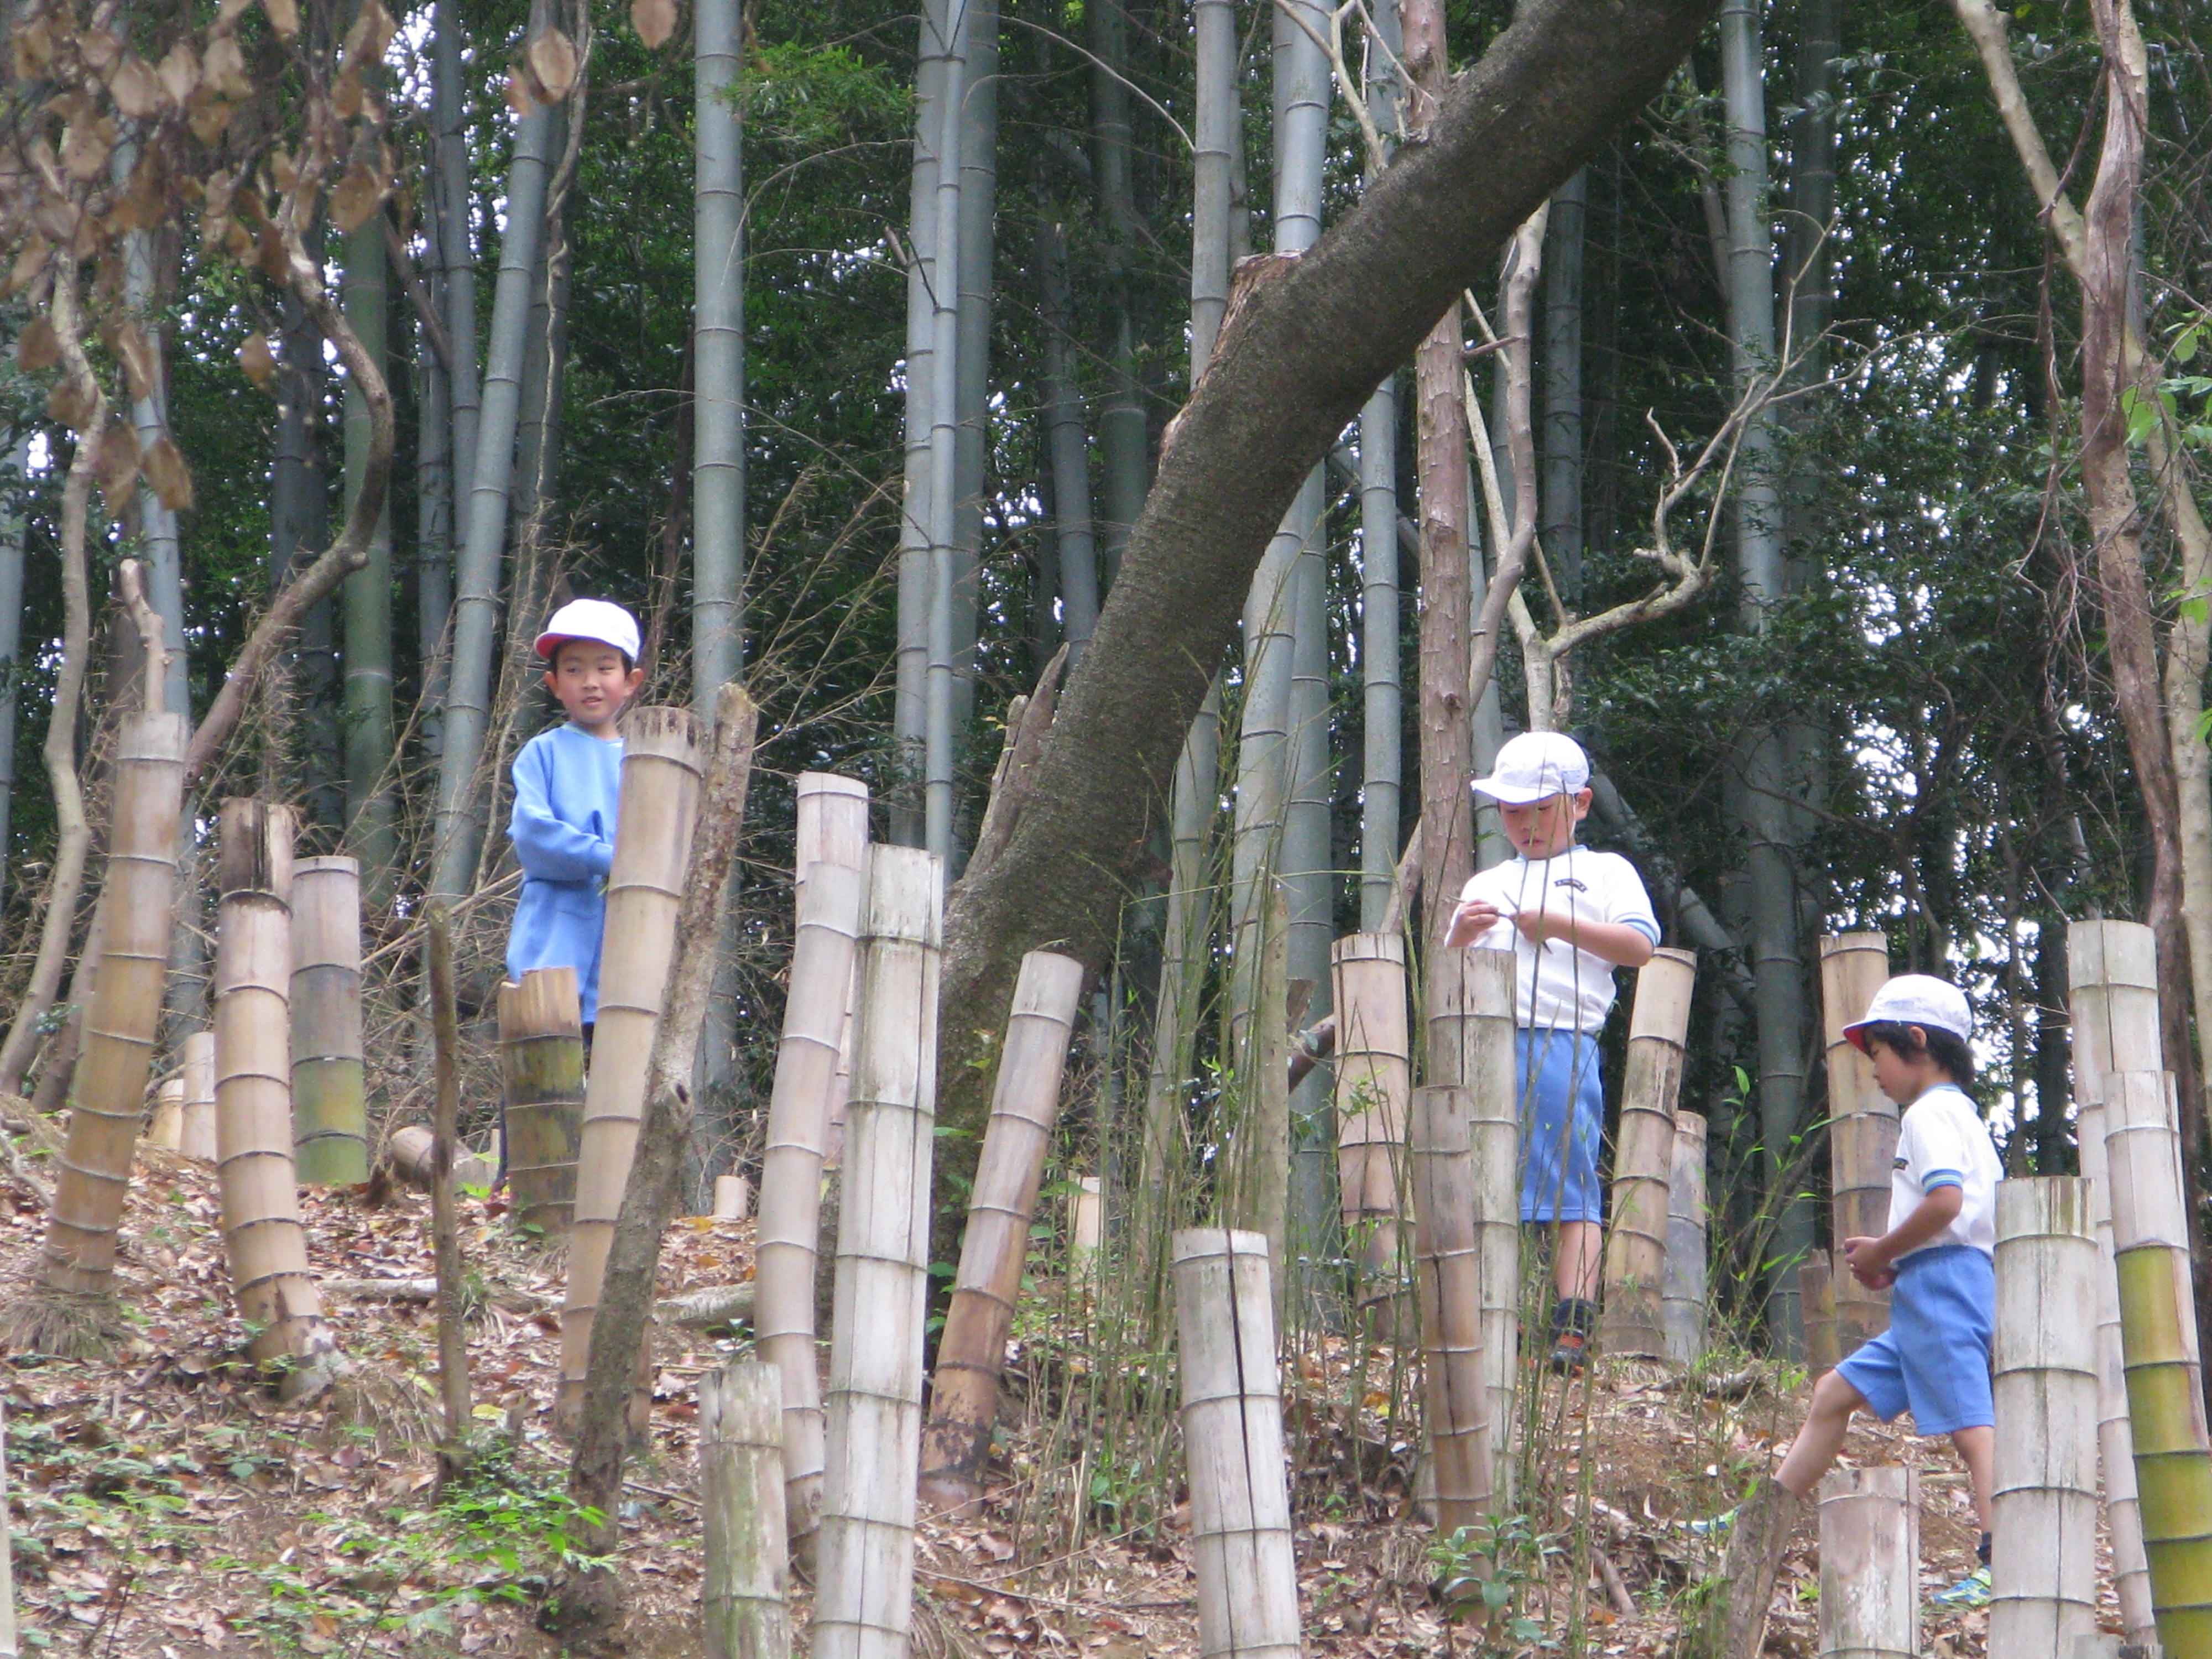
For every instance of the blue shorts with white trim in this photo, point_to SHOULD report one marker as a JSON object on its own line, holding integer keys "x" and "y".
{"x": 1934, "y": 1359}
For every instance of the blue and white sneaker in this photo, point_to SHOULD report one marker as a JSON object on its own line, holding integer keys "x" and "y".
{"x": 1971, "y": 1591}
{"x": 1717, "y": 1526}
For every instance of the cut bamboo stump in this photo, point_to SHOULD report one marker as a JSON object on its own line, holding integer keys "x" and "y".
{"x": 1862, "y": 1127}
{"x": 1470, "y": 1043}
{"x": 964, "y": 1399}
{"x": 1086, "y": 1224}
{"x": 268, "y": 1248}
{"x": 410, "y": 1155}
{"x": 1870, "y": 1564}
{"x": 1643, "y": 1158}
{"x": 165, "y": 1128}
{"x": 2116, "y": 1444}
{"x": 743, "y": 1582}
{"x": 197, "y": 1140}
{"x": 2112, "y": 1003}
{"x": 660, "y": 774}
{"x": 1682, "y": 1306}
{"x": 2158, "y": 1334}
{"x": 2043, "y": 1561}
{"x": 733, "y": 1201}
{"x": 865, "y": 1607}
{"x": 1816, "y": 1296}
{"x": 1447, "y": 1269}
{"x": 329, "y": 1083}
{"x": 1232, "y": 1431}
{"x": 832, "y": 827}
{"x": 541, "y": 1064}
{"x": 107, "y": 1095}
{"x": 1374, "y": 1076}
{"x": 822, "y": 956}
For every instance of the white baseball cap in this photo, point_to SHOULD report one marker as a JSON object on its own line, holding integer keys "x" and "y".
{"x": 1922, "y": 999}
{"x": 599, "y": 620}
{"x": 1535, "y": 766}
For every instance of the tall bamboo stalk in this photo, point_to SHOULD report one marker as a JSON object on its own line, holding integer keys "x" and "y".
{"x": 979, "y": 199}
{"x": 1380, "y": 681}
{"x": 261, "y": 1228}
{"x": 1257, "y": 1193}
{"x": 2043, "y": 1561}
{"x": 741, "y": 1512}
{"x": 1374, "y": 1076}
{"x": 1232, "y": 1429}
{"x": 330, "y": 1084}
{"x": 1682, "y": 1304}
{"x": 1870, "y": 1564}
{"x": 541, "y": 1059}
{"x": 2113, "y": 1012}
{"x": 717, "y": 356}
{"x": 963, "y": 1400}
{"x": 477, "y": 569}
{"x": 366, "y": 725}
{"x": 1642, "y": 1159}
{"x": 73, "y": 1307}
{"x": 1470, "y": 1043}
{"x": 1447, "y": 1250}
{"x": 865, "y": 1607}
{"x": 2165, "y": 1371}
{"x": 1862, "y": 1126}
{"x": 166, "y": 1127}
{"x": 1562, "y": 510}
{"x": 652, "y": 839}
{"x": 198, "y": 1139}
{"x": 910, "y": 714}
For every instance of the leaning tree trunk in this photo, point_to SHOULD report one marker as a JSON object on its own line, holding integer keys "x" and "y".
{"x": 459, "y": 825}
{"x": 1274, "y": 403}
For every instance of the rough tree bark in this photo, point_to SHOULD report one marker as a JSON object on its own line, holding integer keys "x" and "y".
{"x": 1309, "y": 347}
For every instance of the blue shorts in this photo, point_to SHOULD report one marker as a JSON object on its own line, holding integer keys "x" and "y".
{"x": 1562, "y": 1121}
{"x": 1934, "y": 1359}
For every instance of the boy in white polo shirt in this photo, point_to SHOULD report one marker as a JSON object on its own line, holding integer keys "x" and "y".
{"x": 1571, "y": 916}
{"x": 1938, "y": 1255}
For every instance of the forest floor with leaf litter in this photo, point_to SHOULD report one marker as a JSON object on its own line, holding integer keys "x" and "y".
{"x": 165, "y": 1506}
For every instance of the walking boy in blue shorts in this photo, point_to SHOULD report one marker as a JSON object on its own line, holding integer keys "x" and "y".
{"x": 567, "y": 786}
{"x": 1571, "y": 916}
{"x": 1937, "y": 1259}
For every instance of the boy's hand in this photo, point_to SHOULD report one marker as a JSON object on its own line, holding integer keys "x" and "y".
{"x": 1470, "y": 921}
{"x": 1869, "y": 1263}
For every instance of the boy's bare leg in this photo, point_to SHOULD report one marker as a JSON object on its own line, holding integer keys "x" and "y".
{"x": 1978, "y": 1451}
{"x": 1817, "y": 1443}
{"x": 1580, "y": 1244}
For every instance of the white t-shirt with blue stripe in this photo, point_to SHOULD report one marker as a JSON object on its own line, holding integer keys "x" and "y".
{"x": 1943, "y": 1142}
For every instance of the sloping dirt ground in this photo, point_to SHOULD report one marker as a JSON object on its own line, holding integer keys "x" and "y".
{"x": 164, "y": 1506}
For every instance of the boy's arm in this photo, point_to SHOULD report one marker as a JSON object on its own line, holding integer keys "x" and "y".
{"x": 1873, "y": 1260}
{"x": 1620, "y": 943}
{"x": 544, "y": 845}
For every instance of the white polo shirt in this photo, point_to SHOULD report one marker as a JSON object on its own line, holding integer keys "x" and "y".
{"x": 1943, "y": 1142}
{"x": 1558, "y": 987}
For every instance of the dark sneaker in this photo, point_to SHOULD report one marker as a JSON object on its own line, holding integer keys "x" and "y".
{"x": 1570, "y": 1353}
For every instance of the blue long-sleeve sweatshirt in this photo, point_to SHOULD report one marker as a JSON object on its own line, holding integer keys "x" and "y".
{"x": 567, "y": 786}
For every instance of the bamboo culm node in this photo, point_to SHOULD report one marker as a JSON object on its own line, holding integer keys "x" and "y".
{"x": 1374, "y": 1078}
{"x": 744, "y": 1578}
{"x": 1870, "y": 1564}
{"x": 1862, "y": 1128}
{"x": 329, "y": 1088}
{"x": 541, "y": 1056}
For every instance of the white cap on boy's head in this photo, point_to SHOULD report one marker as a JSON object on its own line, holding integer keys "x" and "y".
{"x": 1535, "y": 766}
{"x": 1922, "y": 999}
{"x": 599, "y": 620}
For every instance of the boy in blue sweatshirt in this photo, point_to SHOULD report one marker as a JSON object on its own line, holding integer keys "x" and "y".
{"x": 568, "y": 785}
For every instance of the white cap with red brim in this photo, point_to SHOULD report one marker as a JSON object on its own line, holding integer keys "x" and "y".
{"x": 601, "y": 621}
{"x": 1922, "y": 999}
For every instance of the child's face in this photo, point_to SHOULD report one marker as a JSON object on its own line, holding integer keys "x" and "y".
{"x": 593, "y": 685}
{"x": 1544, "y": 828}
{"x": 1904, "y": 1078}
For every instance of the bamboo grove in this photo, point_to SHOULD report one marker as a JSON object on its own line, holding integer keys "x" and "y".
{"x": 1142, "y": 460}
